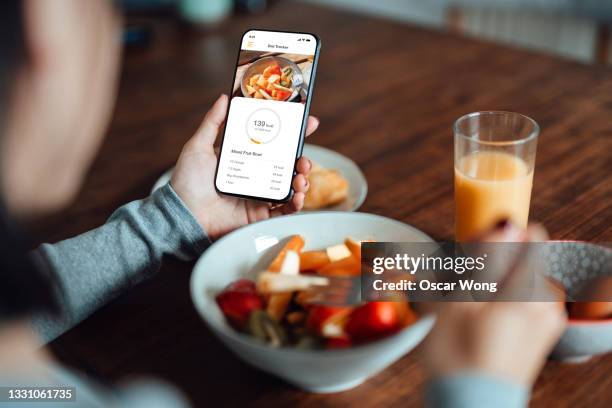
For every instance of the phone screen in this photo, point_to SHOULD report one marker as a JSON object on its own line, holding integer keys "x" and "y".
{"x": 268, "y": 109}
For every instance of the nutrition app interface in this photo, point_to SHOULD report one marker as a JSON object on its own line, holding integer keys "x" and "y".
{"x": 266, "y": 111}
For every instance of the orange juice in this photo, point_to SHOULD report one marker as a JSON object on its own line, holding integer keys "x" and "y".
{"x": 490, "y": 186}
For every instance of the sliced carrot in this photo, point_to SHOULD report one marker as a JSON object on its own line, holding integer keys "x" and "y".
{"x": 310, "y": 260}
{"x": 279, "y": 302}
{"x": 354, "y": 247}
{"x": 295, "y": 243}
{"x": 267, "y": 72}
{"x": 343, "y": 267}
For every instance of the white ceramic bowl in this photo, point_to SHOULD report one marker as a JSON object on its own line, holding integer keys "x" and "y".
{"x": 358, "y": 185}
{"x": 584, "y": 339}
{"x": 245, "y": 252}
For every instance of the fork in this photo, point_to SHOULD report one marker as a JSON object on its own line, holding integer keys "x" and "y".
{"x": 316, "y": 289}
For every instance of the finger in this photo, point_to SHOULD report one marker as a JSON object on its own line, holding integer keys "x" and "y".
{"x": 304, "y": 165}
{"x": 297, "y": 202}
{"x": 503, "y": 231}
{"x": 300, "y": 183}
{"x": 500, "y": 254}
{"x": 525, "y": 267}
{"x": 536, "y": 233}
{"x": 313, "y": 124}
{"x": 207, "y": 133}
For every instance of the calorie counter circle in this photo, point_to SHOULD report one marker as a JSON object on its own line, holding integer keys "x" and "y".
{"x": 262, "y": 126}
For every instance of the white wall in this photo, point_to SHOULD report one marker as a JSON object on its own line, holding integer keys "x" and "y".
{"x": 563, "y": 27}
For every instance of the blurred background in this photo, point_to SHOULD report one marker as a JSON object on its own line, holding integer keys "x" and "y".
{"x": 575, "y": 29}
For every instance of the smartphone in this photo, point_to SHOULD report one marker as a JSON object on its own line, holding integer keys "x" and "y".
{"x": 267, "y": 116}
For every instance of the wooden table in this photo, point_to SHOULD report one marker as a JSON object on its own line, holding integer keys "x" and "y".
{"x": 387, "y": 95}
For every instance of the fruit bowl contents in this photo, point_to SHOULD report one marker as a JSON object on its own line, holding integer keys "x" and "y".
{"x": 273, "y": 83}
{"x": 251, "y": 249}
{"x": 290, "y": 317}
{"x": 597, "y": 308}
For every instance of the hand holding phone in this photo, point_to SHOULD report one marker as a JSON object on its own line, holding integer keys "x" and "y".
{"x": 267, "y": 118}
{"x": 193, "y": 181}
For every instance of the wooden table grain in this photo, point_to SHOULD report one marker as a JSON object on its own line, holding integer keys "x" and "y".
{"x": 387, "y": 95}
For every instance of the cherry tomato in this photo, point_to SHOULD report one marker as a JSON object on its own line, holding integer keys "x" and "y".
{"x": 373, "y": 320}
{"x": 237, "y": 302}
{"x": 241, "y": 285}
{"x": 321, "y": 316}
{"x": 282, "y": 95}
{"x": 275, "y": 70}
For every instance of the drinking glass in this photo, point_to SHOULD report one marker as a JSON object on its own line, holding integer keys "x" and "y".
{"x": 494, "y": 162}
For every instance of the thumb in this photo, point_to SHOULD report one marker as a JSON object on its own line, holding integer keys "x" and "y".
{"x": 208, "y": 130}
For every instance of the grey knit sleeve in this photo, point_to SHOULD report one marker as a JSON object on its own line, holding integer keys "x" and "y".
{"x": 96, "y": 266}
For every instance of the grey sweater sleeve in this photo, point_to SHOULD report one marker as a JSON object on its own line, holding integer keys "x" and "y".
{"x": 96, "y": 266}
{"x": 472, "y": 389}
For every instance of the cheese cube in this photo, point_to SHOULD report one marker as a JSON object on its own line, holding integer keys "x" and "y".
{"x": 337, "y": 252}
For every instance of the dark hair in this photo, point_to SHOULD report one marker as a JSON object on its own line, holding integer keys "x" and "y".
{"x": 12, "y": 45}
{"x": 24, "y": 287}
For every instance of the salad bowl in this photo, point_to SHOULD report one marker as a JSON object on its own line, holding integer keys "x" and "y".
{"x": 242, "y": 253}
